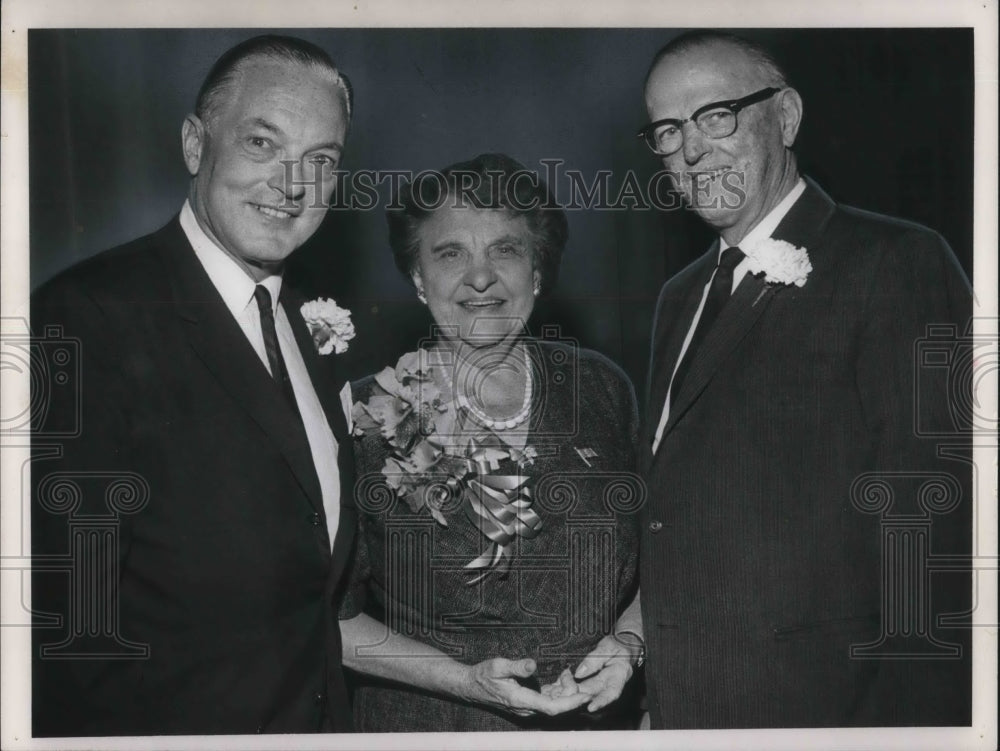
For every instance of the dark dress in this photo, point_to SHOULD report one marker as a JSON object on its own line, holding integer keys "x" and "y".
{"x": 564, "y": 588}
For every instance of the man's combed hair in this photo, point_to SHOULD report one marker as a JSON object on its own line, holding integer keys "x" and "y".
{"x": 271, "y": 46}
{"x": 773, "y": 73}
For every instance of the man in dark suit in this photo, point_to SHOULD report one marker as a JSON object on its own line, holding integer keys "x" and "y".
{"x": 205, "y": 506}
{"x": 780, "y": 583}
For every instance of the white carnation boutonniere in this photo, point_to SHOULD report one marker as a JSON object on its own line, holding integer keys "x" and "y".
{"x": 329, "y": 324}
{"x": 779, "y": 261}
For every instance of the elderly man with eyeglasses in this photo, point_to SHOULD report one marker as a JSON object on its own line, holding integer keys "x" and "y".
{"x": 789, "y": 520}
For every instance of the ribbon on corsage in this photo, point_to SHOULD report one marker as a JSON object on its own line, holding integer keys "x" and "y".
{"x": 409, "y": 412}
{"x": 499, "y": 505}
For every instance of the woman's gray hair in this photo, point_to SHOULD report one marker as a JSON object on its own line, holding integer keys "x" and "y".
{"x": 489, "y": 181}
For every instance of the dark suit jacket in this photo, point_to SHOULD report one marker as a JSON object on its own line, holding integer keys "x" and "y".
{"x": 762, "y": 560}
{"x": 219, "y": 609}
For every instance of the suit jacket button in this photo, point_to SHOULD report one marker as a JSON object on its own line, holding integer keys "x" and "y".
{"x": 319, "y": 698}
{"x": 655, "y": 526}
{"x": 316, "y": 519}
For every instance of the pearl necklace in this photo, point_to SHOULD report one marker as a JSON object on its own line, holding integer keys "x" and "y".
{"x": 512, "y": 422}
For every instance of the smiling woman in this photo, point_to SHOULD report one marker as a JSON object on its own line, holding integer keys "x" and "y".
{"x": 480, "y": 243}
{"x": 475, "y": 271}
{"x": 487, "y": 461}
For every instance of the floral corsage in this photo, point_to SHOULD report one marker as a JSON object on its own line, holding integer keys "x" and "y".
{"x": 779, "y": 261}
{"x": 431, "y": 466}
{"x": 329, "y": 324}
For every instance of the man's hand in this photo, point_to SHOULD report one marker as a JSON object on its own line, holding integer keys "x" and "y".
{"x": 494, "y": 682}
{"x": 601, "y": 675}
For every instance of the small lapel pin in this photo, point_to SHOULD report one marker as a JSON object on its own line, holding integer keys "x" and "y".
{"x": 585, "y": 454}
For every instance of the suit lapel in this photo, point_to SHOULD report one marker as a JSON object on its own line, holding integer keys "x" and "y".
{"x": 802, "y": 226}
{"x": 674, "y": 320}
{"x": 322, "y": 368}
{"x": 221, "y": 345}
{"x": 327, "y": 382}
{"x": 735, "y": 321}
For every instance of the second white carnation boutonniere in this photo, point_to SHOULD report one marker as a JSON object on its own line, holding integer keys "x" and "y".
{"x": 779, "y": 261}
{"x": 329, "y": 324}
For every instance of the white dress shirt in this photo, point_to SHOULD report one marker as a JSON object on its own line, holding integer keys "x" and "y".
{"x": 761, "y": 231}
{"x": 236, "y": 289}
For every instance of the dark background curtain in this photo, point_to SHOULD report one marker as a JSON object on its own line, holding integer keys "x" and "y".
{"x": 888, "y": 127}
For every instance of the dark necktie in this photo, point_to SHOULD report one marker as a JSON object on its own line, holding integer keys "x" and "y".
{"x": 278, "y": 370}
{"x": 718, "y": 295}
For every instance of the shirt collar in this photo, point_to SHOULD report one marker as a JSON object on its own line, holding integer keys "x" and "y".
{"x": 231, "y": 281}
{"x": 769, "y": 223}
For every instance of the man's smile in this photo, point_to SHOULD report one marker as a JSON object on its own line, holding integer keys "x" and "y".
{"x": 274, "y": 211}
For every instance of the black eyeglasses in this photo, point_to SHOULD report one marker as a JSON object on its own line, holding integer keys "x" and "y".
{"x": 715, "y": 120}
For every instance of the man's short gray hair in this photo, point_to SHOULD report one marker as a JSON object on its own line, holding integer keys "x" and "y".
{"x": 771, "y": 71}
{"x": 269, "y": 46}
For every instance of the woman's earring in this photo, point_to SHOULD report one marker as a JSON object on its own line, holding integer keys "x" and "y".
{"x": 538, "y": 289}
{"x": 421, "y": 296}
